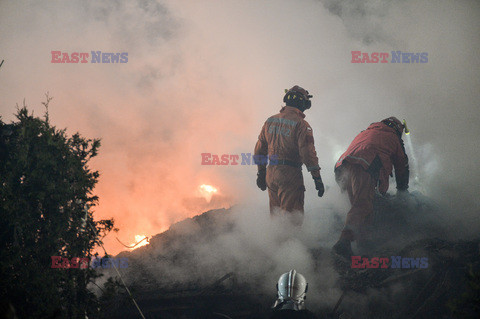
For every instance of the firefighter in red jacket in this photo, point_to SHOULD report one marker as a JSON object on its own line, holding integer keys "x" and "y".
{"x": 287, "y": 139}
{"x": 364, "y": 167}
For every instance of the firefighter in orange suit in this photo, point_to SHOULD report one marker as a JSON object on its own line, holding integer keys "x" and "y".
{"x": 287, "y": 140}
{"x": 364, "y": 167}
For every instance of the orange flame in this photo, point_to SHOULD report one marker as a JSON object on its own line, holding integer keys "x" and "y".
{"x": 139, "y": 238}
{"x": 207, "y": 191}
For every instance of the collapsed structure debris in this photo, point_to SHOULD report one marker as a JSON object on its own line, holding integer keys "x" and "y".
{"x": 407, "y": 230}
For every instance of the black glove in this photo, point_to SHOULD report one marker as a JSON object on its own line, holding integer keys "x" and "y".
{"x": 319, "y": 185}
{"x": 262, "y": 179}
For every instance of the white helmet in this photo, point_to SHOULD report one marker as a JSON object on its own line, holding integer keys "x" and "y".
{"x": 292, "y": 288}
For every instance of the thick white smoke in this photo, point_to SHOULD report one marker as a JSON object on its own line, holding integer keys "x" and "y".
{"x": 203, "y": 76}
{"x": 245, "y": 242}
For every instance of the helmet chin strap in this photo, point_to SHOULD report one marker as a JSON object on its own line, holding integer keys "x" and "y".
{"x": 303, "y": 106}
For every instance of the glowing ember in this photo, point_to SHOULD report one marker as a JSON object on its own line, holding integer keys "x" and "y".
{"x": 207, "y": 191}
{"x": 140, "y": 240}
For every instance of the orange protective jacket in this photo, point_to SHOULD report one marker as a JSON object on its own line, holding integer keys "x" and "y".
{"x": 287, "y": 136}
{"x": 378, "y": 149}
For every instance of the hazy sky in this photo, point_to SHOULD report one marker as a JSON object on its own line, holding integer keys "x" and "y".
{"x": 202, "y": 77}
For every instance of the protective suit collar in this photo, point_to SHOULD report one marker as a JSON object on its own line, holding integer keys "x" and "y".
{"x": 292, "y": 109}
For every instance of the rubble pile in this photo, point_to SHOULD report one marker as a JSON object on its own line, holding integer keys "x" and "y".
{"x": 423, "y": 274}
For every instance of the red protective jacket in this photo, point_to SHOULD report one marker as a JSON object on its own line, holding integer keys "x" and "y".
{"x": 378, "y": 149}
{"x": 288, "y": 136}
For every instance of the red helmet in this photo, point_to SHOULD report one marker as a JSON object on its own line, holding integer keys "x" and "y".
{"x": 394, "y": 123}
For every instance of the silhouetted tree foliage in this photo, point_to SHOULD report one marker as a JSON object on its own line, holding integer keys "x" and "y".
{"x": 45, "y": 207}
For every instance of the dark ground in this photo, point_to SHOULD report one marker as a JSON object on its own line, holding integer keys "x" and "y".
{"x": 448, "y": 288}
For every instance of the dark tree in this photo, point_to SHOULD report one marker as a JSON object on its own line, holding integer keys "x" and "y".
{"x": 45, "y": 210}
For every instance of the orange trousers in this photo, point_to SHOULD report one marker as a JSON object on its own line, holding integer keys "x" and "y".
{"x": 286, "y": 190}
{"x": 360, "y": 186}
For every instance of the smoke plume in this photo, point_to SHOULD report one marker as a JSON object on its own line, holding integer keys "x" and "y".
{"x": 202, "y": 77}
